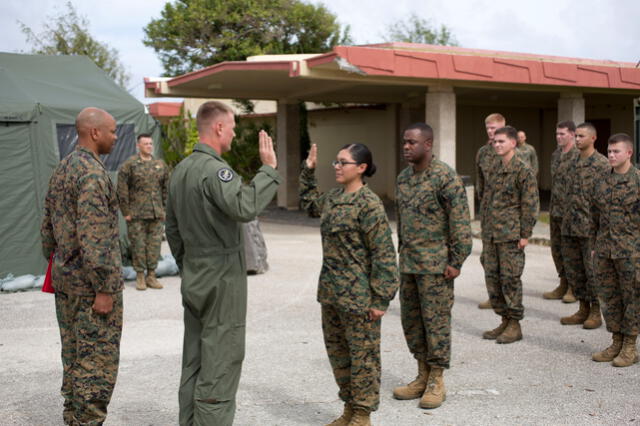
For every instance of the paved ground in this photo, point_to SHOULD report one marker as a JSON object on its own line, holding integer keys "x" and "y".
{"x": 546, "y": 379}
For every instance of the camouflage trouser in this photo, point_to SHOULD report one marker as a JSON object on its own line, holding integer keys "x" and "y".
{"x": 619, "y": 293}
{"x": 425, "y": 302}
{"x": 145, "y": 236}
{"x": 503, "y": 264}
{"x": 90, "y": 356}
{"x": 556, "y": 244}
{"x": 578, "y": 265}
{"x": 353, "y": 346}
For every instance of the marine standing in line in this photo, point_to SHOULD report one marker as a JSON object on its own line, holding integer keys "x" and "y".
{"x": 486, "y": 159}
{"x": 143, "y": 183}
{"x": 359, "y": 277}
{"x": 434, "y": 234}
{"x": 80, "y": 229}
{"x": 206, "y": 207}
{"x": 509, "y": 212}
{"x": 578, "y": 232}
{"x": 616, "y": 211}
{"x": 561, "y": 160}
{"x": 527, "y": 152}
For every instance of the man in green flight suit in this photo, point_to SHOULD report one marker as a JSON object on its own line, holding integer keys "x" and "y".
{"x": 206, "y": 206}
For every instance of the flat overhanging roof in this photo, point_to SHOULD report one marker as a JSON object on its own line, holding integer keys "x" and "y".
{"x": 395, "y": 72}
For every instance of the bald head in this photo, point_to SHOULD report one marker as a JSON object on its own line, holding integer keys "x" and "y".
{"x": 96, "y": 130}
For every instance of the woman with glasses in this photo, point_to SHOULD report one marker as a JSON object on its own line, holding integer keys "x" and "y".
{"x": 359, "y": 276}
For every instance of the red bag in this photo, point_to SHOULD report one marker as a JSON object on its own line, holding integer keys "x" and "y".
{"x": 47, "y": 287}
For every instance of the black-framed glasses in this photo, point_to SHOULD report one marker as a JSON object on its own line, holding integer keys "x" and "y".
{"x": 342, "y": 163}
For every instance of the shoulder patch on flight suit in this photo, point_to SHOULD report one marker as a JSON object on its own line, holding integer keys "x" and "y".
{"x": 225, "y": 175}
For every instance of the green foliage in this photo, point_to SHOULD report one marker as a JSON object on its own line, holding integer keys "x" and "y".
{"x": 244, "y": 156}
{"x": 192, "y": 34}
{"x": 178, "y": 138}
{"x": 68, "y": 34}
{"x": 418, "y": 30}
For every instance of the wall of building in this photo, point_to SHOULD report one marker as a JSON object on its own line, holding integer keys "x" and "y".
{"x": 331, "y": 129}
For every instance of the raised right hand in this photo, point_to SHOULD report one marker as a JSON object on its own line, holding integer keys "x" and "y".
{"x": 312, "y": 158}
{"x": 267, "y": 153}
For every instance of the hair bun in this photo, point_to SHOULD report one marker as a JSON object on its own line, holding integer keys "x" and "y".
{"x": 371, "y": 170}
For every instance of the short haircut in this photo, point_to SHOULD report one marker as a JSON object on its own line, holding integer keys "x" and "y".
{"x": 568, "y": 124}
{"x": 425, "y": 129}
{"x": 621, "y": 138}
{"x": 209, "y": 111}
{"x": 495, "y": 117}
{"x": 508, "y": 131}
{"x": 588, "y": 126}
{"x": 143, "y": 135}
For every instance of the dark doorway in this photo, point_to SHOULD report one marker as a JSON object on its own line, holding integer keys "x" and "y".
{"x": 603, "y": 127}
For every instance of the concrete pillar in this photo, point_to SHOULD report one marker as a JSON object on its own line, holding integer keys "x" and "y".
{"x": 571, "y": 107}
{"x": 441, "y": 115}
{"x": 288, "y": 152}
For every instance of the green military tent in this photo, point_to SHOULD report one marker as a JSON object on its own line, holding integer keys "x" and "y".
{"x": 40, "y": 97}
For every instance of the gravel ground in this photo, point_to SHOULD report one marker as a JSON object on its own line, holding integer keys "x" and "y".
{"x": 546, "y": 379}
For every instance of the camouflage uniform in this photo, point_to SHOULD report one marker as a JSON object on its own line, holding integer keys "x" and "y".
{"x": 616, "y": 212}
{"x": 433, "y": 231}
{"x": 486, "y": 159}
{"x": 509, "y": 211}
{"x": 142, "y": 191}
{"x": 80, "y": 228}
{"x": 577, "y": 225}
{"x": 560, "y": 166}
{"x": 359, "y": 272}
{"x": 527, "y": 153}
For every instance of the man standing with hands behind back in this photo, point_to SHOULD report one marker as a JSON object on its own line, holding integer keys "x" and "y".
{"x": 207, "y": 204}
{"x": 143, "y": 183}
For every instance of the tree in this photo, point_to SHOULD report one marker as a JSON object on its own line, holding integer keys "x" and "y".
{"x": 68, "y": 34}
{"x": 418, "y": 30}
{"x": 192, "y": 34}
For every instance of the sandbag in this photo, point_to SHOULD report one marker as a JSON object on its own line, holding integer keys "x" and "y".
{"x": 21, "y": 283}
{"x": 167, "y": 266}
{"x": 39, "y": 282}
{"x": 128, "y": 273}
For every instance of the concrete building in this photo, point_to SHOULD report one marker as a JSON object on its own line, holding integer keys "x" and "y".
{"x": 370, "y": 93}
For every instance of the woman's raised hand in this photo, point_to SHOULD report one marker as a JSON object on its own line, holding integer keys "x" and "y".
{"x": 312, "y": 158}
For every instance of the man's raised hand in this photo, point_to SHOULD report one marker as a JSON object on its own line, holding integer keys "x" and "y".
{"x": 267, "y": 154}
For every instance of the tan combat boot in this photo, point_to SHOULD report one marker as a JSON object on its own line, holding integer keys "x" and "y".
{"x": 579, "y": 317}
{"x": 493, "y": 334}
{"x": 416, "y": 388}
{"x": 611, "y": 352}
{"x": 435, "y": 394}
{"x": 511, "y": 334}
{"x": 568, "y": 296}
{"x": 628, "y": 354}
{"x": 140, "y": 284}
{"x": 485, "y": 305}
{"x": 558, "y": 292}
{"x": 360, "y": 417}
{"x": 345, "y": 418}
{"x": 594, "y": 320}
{"x": 152, "y": 282}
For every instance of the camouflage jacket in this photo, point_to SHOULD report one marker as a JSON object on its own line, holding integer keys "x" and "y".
{"x": 528, "y": 154}
{"x": 486, "y": 158}
{"x": 560, "y": 166}
{"x": 616, "y": 215}
{"x": 143, "y": 187}
{"x": 510, "y": 206}
{"x": 433, "y": 219}
{"x": 359, "y": 269}
{"x": 80, "y": 226}
{"x": 582, "y": 177}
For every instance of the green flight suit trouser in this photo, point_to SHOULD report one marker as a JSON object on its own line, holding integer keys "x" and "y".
{"x": 215, "y": 307}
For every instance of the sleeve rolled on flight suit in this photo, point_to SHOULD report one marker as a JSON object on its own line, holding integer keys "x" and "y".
{"x": 457, "y": 207}
{"x": 240, "y": 202}
{"x": 383, "y": 280}
{"x": 94, "y": 229}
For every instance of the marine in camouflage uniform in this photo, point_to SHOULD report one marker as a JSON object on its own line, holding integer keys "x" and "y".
{"x": 80, "y": 230}
{"x": 578, "y": 235}
{"x": 359, "y": 272}
{"x": 486, "y": 160}
{"x": 560, "y": 167}
{"x": 527, "y": 153}
{"x": 142, "y": 190}
{"x": 616, "y": 214}
{"x": 509, "y": 212}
